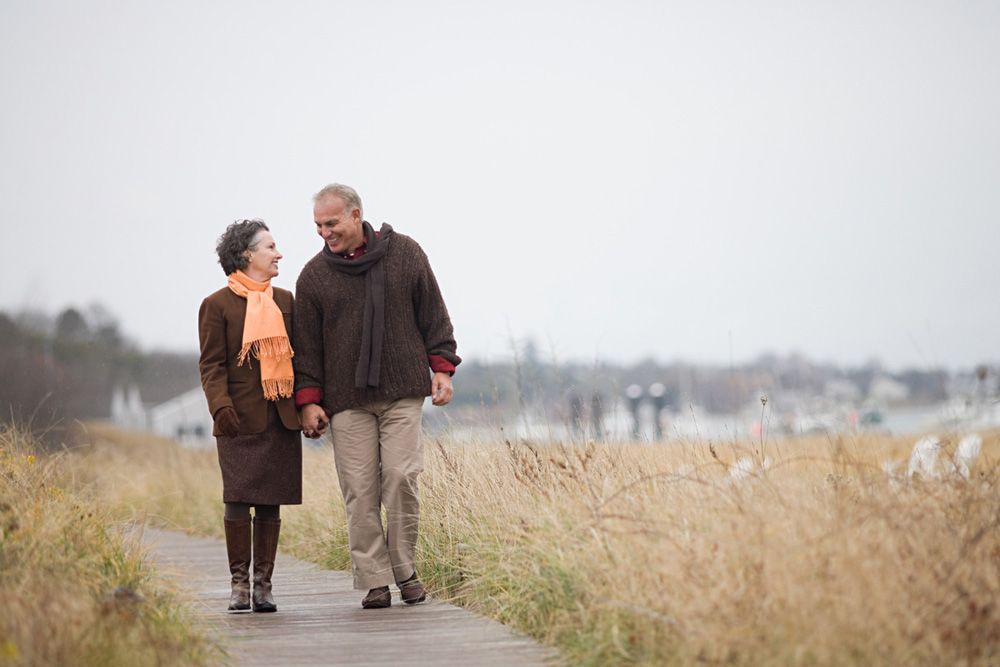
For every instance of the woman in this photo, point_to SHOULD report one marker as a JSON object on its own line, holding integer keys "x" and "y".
{"x": 246, "y": 372}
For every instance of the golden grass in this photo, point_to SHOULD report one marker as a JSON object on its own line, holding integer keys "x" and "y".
{"x": 652, "y": 554}
{"x": 145, "y": 476}
{"x": 76, "y": 590}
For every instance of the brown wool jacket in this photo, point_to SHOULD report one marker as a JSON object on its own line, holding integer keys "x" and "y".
{"x": 329, "y": 315}
{"x": 220, "y": 328}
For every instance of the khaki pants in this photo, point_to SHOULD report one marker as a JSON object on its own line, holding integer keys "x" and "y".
{"x": 379, "y": 454}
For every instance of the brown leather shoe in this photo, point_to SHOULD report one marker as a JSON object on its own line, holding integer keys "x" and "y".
{"x": 412, "y": 591}
{"x": 377, "y": 598}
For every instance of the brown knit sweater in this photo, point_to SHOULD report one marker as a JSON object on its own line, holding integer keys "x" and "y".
{"x": 329, "y": 310}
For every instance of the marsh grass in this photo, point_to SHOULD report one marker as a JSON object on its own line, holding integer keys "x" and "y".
{"x": 654, "y": 554}
{"x": 76, "y": 590}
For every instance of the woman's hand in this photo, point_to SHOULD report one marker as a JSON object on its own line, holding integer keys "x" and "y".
{"x": 228, "y": 421}
{"x": 314, "y": 420}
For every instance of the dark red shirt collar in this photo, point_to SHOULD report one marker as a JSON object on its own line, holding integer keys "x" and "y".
{"x": 360, "y": 251}
{"x": 357, "y": 253}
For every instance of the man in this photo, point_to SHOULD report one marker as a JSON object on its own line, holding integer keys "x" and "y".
{"x": 369, "y": 321}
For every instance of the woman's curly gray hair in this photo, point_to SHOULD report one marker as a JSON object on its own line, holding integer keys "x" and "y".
{"x": 235, "y": 241}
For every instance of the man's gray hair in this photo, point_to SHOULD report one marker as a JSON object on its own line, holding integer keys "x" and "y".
{"x": 346, "y": 193}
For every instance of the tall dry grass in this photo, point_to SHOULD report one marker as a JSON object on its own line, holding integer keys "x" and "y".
{"x": 75, "y": 589}
{"x": 151, "y": 478}
{"x": 654, "y": 554}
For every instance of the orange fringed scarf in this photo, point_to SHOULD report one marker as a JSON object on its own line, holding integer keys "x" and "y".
{"x": 264, "y": 336}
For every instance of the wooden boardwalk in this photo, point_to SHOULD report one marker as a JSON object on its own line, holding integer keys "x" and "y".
{"x": 320, "y": 620}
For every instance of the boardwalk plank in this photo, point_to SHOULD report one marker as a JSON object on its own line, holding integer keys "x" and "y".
{"x": 320, "y": 620}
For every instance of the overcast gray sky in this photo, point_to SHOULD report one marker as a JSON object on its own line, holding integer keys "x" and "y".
{"x": 703, "y": 181}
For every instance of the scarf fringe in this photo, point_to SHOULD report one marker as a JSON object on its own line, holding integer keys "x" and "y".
{"x": 278, "y": 388}
{"x": 276, "y": 347}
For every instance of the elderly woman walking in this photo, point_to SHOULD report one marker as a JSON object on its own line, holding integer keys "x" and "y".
{"x": 246, "y": 372}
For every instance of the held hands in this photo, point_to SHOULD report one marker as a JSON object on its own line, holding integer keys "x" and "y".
{"x": 227, "y": 421}
{"x": 314, "y": 420}
{"x": 441, "y": 389}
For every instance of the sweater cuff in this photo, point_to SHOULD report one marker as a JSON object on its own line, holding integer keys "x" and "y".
{"x": 440, "y": 364}
{"x": 308, "y": 395}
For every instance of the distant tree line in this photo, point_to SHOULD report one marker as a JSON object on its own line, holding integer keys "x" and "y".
{"x": 562, "y": 390}
{"x": 58, "y": 369}
{"x": 65, "y": 367}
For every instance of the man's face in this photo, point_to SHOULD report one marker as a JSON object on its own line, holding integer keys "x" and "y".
{"x": 340, "y": 228}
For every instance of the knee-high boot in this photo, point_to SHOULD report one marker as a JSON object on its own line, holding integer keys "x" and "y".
{"x": 238, "y": 547}
{"x": 265, "y": 546}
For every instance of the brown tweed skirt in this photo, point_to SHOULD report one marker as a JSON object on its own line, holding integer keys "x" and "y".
{"x": 264, "y": 468}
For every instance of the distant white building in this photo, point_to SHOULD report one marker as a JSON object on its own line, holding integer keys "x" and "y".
{"x": 884, "y": 389}
{"x": 185, "y": 419}
{"x": 126, "y": 409}
{"x": 841, "y": 389}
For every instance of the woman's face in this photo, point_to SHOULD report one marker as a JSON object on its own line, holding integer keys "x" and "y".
{"x": 262, "y": 260}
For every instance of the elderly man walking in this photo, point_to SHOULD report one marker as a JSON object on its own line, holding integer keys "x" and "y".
{"x": 370, "y": 328}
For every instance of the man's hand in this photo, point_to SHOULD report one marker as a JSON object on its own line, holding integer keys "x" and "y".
{"x": 441, "y": 389}
{"x": 314, "y": 420}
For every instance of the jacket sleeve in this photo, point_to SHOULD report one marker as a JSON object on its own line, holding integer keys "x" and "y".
{"x": 307, "y": 339}
{"x": 432, "y": 315}
{"x": 212, "y": 362}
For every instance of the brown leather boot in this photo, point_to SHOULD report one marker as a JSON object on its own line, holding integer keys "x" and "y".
{"x": 238, "y": 546}
{"x": 265, "y": 546}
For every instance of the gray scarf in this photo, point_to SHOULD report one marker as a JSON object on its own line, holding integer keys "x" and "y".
{"x": 369, "y": 264}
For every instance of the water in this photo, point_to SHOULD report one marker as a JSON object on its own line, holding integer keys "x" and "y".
{"x": 697, "y": 425}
